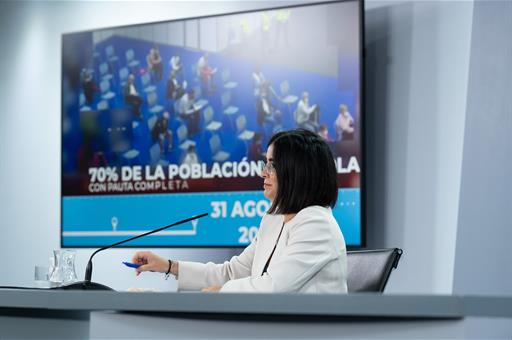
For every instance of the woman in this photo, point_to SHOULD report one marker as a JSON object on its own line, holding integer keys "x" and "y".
{"x": 344, "y": 124}
{"x": 299, "y": 246}
{"x": 155, "y": 63}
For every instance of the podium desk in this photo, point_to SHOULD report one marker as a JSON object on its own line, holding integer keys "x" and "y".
{"x": 107, "y": 314}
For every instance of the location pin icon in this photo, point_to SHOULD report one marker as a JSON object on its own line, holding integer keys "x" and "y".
{"x": 114, "y": 222}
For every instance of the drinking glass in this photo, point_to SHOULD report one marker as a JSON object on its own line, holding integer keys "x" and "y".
{"x": 41, "y": 277}
{"x": 63, "y": 267}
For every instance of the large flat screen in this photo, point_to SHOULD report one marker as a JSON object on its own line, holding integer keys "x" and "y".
{"x": 167, "y": 120}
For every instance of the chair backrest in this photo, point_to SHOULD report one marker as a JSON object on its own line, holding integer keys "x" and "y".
{"x": 146, "y": 79}
{"x": 130, "y": 55}
{"x": 152, "y": 98}
{"x": 103, "y": 105}
{"x": 214, "y": 144}
{"x": 241, "y": 122}
{"x": 152, "y": 122}
{"x": 103, "y": 68}
{"x": 105, "y": 86}
{"x": 369, "y": 270}
{"x": 109, "y": 50}
{"x": 284, "y": 87}
{"x": 123, "y": 74}
{"x": 154, "y": 153}
{"x": 182, "y": 133}
{"x": 208, "y": 114}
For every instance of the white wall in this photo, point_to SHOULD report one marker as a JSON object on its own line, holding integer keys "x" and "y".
{"x": 417, "y": 62}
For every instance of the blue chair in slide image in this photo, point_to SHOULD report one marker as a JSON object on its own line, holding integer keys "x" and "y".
{"x": 153, "y": 103}
{"x": 183, "y": 141}
{"x": 199, "y": 102}
{"x": 226, "y": 80}
{"x": 210, "y": 124}
{"x": 113, "y": 60}
{"x": 111, "y": 54}
{"x": 286, "y": 97}
{"x": 132, "y": 63}
{"x": 131, "y": 157}
{"x": 123, "y": 76}
{"x": 106, "y": 94}
{"x": 369, "y": 270}
{"x": 146, "y": 83}
{"x": 105, "y": 72}
{"x": 241, "y": 131}
{"x": 226, "y": 104}
{"x": 152, "y": 121}
{"x": 218, "y": 155}
{"x": 102, "y": 105}
{"x": 155, "y": 156}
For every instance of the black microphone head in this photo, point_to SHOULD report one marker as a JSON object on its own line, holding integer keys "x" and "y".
{"x": 88, "y": 272}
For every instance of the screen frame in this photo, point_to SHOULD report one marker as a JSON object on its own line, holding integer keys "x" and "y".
{"x": 362, "y": 120}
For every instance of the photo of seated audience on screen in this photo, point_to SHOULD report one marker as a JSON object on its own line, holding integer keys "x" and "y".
{"x": 162, "y": 121}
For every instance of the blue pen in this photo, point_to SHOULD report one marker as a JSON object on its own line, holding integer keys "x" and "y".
{"x": 131, "y": 265}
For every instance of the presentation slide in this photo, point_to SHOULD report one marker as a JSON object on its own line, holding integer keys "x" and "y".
{"x": 168, "y": 120}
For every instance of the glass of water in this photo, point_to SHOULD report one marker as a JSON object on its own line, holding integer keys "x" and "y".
{"x": 41, "y": 277}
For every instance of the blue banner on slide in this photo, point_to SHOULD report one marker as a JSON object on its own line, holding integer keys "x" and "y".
{"x": 233, "y": 219}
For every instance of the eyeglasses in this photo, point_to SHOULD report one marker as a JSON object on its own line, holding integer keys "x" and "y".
{"x": 268, "y": 167}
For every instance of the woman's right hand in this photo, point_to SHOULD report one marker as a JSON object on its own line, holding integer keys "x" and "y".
{"x": 150, "y": 262}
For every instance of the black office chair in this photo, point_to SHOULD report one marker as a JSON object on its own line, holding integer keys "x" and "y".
{"x": 369, "y": 270}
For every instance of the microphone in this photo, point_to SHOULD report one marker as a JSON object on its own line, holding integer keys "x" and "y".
{"x": 87, "y": 284}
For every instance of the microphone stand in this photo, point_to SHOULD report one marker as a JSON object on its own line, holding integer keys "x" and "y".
{"x": 87, "y": 284}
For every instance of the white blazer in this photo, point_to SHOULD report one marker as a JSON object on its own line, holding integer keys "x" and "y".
{"x": 310, "y": 257}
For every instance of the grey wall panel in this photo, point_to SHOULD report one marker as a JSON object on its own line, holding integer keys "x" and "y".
{"x": 483, "y": 260}
{"x": 417, "y": 61}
